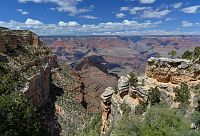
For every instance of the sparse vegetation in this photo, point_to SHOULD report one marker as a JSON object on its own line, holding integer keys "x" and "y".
{"x": 154, "y": 96}
{"x": 141, "y": 108}
{"x": 192, "y": 55}
{"x": 187, "y": 55}
{"x": 18, "y": 118}
{"x": 125, "y": 108}
{"x": 172, "y": 54}
{"x": 182, "y": 94}
{"x": 93, "y": 127}
{"x": 158, "y": 121}
{"x": 133, "y": 81}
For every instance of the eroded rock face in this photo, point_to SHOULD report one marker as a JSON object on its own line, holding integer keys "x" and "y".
{"x": 172, "y": 70}
{"x": 111, "y": 101}
{"x": 106, "y": 109}
{"x": 163, "y": 73}
{"x": 123, "y": 84}
{"x": 10, "y": 39}
{"x": 37, "y": 88}
{"x": 106, "y": 96}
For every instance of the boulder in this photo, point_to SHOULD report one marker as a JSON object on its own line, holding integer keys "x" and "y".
{"x": 106, "y": 96}
{"x": 123, "y": 84}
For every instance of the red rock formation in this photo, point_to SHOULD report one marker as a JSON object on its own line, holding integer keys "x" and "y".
{"x": 93, "y": 79}
{"x": 37, "y": 88}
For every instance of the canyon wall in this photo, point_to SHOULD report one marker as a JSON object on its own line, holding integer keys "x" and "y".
{"x": 36, "y": 69}
{"x": 172, "y": 70}
{"x": 163, "y": 73}
{"x": 37, "y": 89}
{"x": 10, "y": 39}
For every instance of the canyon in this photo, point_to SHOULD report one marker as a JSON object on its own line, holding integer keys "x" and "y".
{"x": 101, "y": 60}
{"x": 69, "y": 80}
{"x": 122, "y": 53}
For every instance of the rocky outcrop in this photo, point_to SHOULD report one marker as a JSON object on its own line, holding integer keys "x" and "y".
{"x": 112, "y": 100}
{"x": 163, "y": 73}
{"x": 10, "y": 39}
{"x": 106, "y": 107}
{"x": 38, "y": 83}
{"x": 37, "y": 89}
{"x": 123, "y": 84}
{"x": 172, "y": 70}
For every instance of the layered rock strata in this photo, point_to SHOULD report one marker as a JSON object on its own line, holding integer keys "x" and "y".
{"x": 163, "y": 73}
{"x": 106, "y": 107}
{"x": 111, "y": 101}
{"x": 172, "y": 70}
{"x": 10, "y": 39}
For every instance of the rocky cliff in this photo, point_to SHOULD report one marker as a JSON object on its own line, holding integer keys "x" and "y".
{"x": 93, "y": 71}
{"x": 172, "y": 70}
{"x": 25, "y": 52}
{"x": 162, "y": 73}
{"x": 48, "y": 85}
{"x": 10, "y": 39}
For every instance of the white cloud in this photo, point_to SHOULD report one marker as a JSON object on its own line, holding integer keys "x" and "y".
{"x": 63, "y": 5}
{"x": 155, "y": 14}
{"x": 148, "y": 32}
{"x": 89, "y": 17}
{"x": 33, "y": 22}
{"x": 22, "y": 11}
{"x": 189, "y": 24}
{"x": 126, "y": 27}
{"x": 120, "y": 15}
{"x": 192, "y": 9}
{"x": 69, "y": 24}
{"x": 147, "y": 1}
{"x": 124, "y": 8}
{"x": 72, "y": 27}
{"x": 186, "y": 24}
{"x": 177, "y": 5}
{"x": 134, "y": 10}
{"x": 170, "y": 19}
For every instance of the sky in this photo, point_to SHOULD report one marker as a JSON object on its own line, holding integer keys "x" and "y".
{"x": 102, "y": 17}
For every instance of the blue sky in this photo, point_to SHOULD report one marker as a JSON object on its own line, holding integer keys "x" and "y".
{"x": 102, "y": 17}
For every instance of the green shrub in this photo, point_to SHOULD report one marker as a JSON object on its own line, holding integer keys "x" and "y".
{"x": 173, "y": 53}
{"x": 158, "y": 121}
{"x": 3, "y": 69}
{"x": 196, "y": 52}
{"x": 192, "y": 55}
{"x": 133, "y": 81}
{"x": 162, "y": 121}
{"x": 182, "y": 94}
{"x": 154, "y": 96}
{"x": 125, "y": 108}
{"x": 128, "y": 126}
{"x": 195, "y": 116}
{"x": 93, "y": 128}
{"x": 18, "y": 118}
{"x": 141, "y": 108}
{"x": 187, "y": 55}
{"x": 7, "y": 85}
